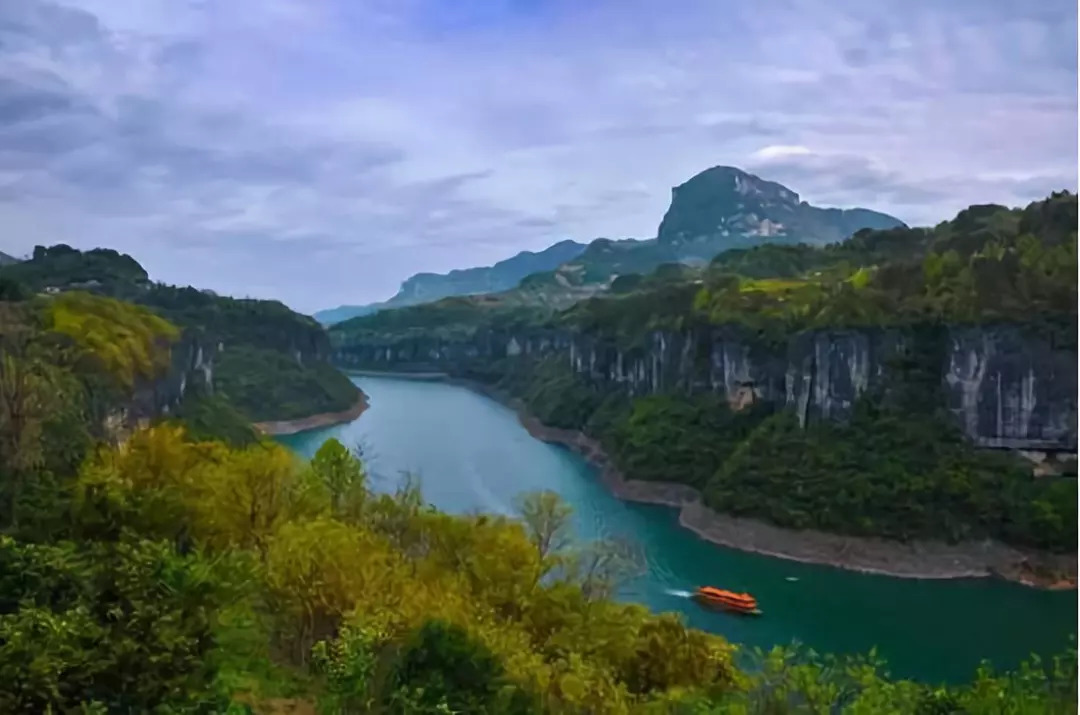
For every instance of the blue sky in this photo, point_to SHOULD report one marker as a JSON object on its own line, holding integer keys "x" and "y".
{"x": 321, "y": 151}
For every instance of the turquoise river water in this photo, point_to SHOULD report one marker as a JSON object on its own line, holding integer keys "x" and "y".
{"x": 472, "y": 453}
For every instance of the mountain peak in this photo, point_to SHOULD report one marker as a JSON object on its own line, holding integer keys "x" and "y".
{"x": 726, "y": 207}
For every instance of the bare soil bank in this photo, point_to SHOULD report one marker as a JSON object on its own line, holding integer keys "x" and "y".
{"x": 916, "y": 559}
{"x": 326, "y": 419}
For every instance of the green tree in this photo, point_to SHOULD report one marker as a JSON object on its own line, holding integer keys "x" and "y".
{"x": 343, "y": 476}
{"x": 127, "y": 626}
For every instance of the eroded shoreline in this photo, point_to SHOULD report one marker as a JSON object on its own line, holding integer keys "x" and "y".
{"x": 916, "y": 559}
{"x": 278, "y": 428}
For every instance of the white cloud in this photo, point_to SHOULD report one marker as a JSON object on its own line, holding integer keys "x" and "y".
{"x": 323, "y": 152}
{"x": 779, "y": 151}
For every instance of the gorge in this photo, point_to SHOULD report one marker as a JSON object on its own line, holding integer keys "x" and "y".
{"x": 911, "y": 385}
{"x": 931, "y": 630}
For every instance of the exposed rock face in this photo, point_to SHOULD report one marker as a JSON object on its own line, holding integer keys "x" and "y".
{"x": 1011, "y": 391}
{"x": 1007, "y": 389}
{"x": 722, "y": 205}
{"x": 192, "y": 369}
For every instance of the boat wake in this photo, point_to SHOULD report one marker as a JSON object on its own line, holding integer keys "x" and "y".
{"x": 676, "y": 592}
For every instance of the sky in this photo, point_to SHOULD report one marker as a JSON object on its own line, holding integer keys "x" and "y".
{"x": 322, "y": 151}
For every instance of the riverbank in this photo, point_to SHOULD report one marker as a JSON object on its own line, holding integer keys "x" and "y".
{"x": 326, "y": 419}
{"x": 916, "y": 559}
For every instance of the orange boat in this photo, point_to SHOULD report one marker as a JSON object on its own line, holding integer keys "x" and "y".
{"x": 728, "y": 600}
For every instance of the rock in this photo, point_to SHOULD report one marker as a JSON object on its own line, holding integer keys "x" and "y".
{"x": 1007, "y": 388}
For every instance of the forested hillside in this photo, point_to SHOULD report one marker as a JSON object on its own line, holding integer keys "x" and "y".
{"x": 850, "y": 388}
{"x": 267, "y": 360}
{"x": 156, "y": 569}
{"x": 721, "y": 208}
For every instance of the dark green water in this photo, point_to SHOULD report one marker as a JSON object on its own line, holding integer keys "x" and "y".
{"x": 471, "y": 452}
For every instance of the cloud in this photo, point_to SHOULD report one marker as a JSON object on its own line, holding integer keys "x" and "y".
{"x": 779, "y": 151}
{"x": 323, "y": 152}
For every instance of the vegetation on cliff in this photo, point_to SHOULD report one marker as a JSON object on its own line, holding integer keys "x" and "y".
{"x": 893, "y": 470}
{"x": 988, "y": 264}
{"x": 272, "y": 361}
{"x": 428, "y": 287}
{"x": 899, "y": 467}
{"x": 268, "y": 385}
{"x": 174, "y": 572}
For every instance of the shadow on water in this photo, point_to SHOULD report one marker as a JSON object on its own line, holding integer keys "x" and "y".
{"x": 472, "y": 453}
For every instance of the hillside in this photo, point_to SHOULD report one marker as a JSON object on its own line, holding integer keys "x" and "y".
{"x": 178, "y": 573}
{"x": 723, "y": 208}
{"x": 428, "y": 287}
{"x": 782, "y": 375}
{"x": 256, "y": 352}
{"x": 720, "y": 209}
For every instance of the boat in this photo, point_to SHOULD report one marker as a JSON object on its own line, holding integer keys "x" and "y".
{"x": 742, "y": 603}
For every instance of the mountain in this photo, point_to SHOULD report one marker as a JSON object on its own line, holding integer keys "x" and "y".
{"x": 267, "y": 360}
{"x": 6, "y": 260}
{"x": 896, "y": 366}
{"x": 61, "y": 266}
{"x": 718, "y": 210}
{"x": 428, "y": 287}
{"x": 725, "y": 207}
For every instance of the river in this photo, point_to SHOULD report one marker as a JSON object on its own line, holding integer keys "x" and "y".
{"x": 470, "y": 452}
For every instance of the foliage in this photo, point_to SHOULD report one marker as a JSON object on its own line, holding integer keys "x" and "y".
{"x": 209, "y": 417}
{"x": 342, "y": 475}
{"x": 271, "y": 385}
{"x": 893, "y": 474}
{"x": 677, "y": 438}
{"x": 130, "y": 342}
{"x": 171, "y": 572}
{"x": 442, "y": 668}
{"x": 898, "y": 468}
{"x": 266, "y": 324}
{"x": 276, "y": 357}
{"x": 125, "y": 626}
{"x": 988, "y": 264}
{"x": 201, "y": 572}
{"x": 13, "y": 290}
{"x": 62, "y": 266}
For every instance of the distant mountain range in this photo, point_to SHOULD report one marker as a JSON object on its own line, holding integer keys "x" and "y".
{"x": 719, "y": 209}
{"x": 6, "y": 260}
{"x": 428, "y": 287}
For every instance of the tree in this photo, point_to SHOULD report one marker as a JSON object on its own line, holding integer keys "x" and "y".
{"x": 442, "y": 669}
{"x": 603, "y": 566}
{"x": 343, "y": 475}
{"x": 26, "y": 399}
{"x": 317, "y": 570}
{"x": 547, "y": 522}
{"x": 125, "y": 626}
{"x": 254, "y": 492}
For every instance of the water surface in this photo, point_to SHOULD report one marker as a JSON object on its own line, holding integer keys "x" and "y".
{"x": 472, "y": 453}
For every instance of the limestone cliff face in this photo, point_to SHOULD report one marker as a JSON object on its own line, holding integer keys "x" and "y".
{"x": 1008, "y": 389}
{"x": 192, "y": 368}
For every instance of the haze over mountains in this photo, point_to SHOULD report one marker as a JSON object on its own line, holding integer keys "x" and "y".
{"x": 718, "y": 209}
{"x": 427, "y": 287}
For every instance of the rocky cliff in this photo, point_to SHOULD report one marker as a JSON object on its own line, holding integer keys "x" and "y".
{"x": 725, "y": 207}
{"x": 192, "y": 369}
{"x": 1006, "y": 387}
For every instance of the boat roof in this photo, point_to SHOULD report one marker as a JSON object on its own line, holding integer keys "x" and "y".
{"x": 713, "y": 591}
